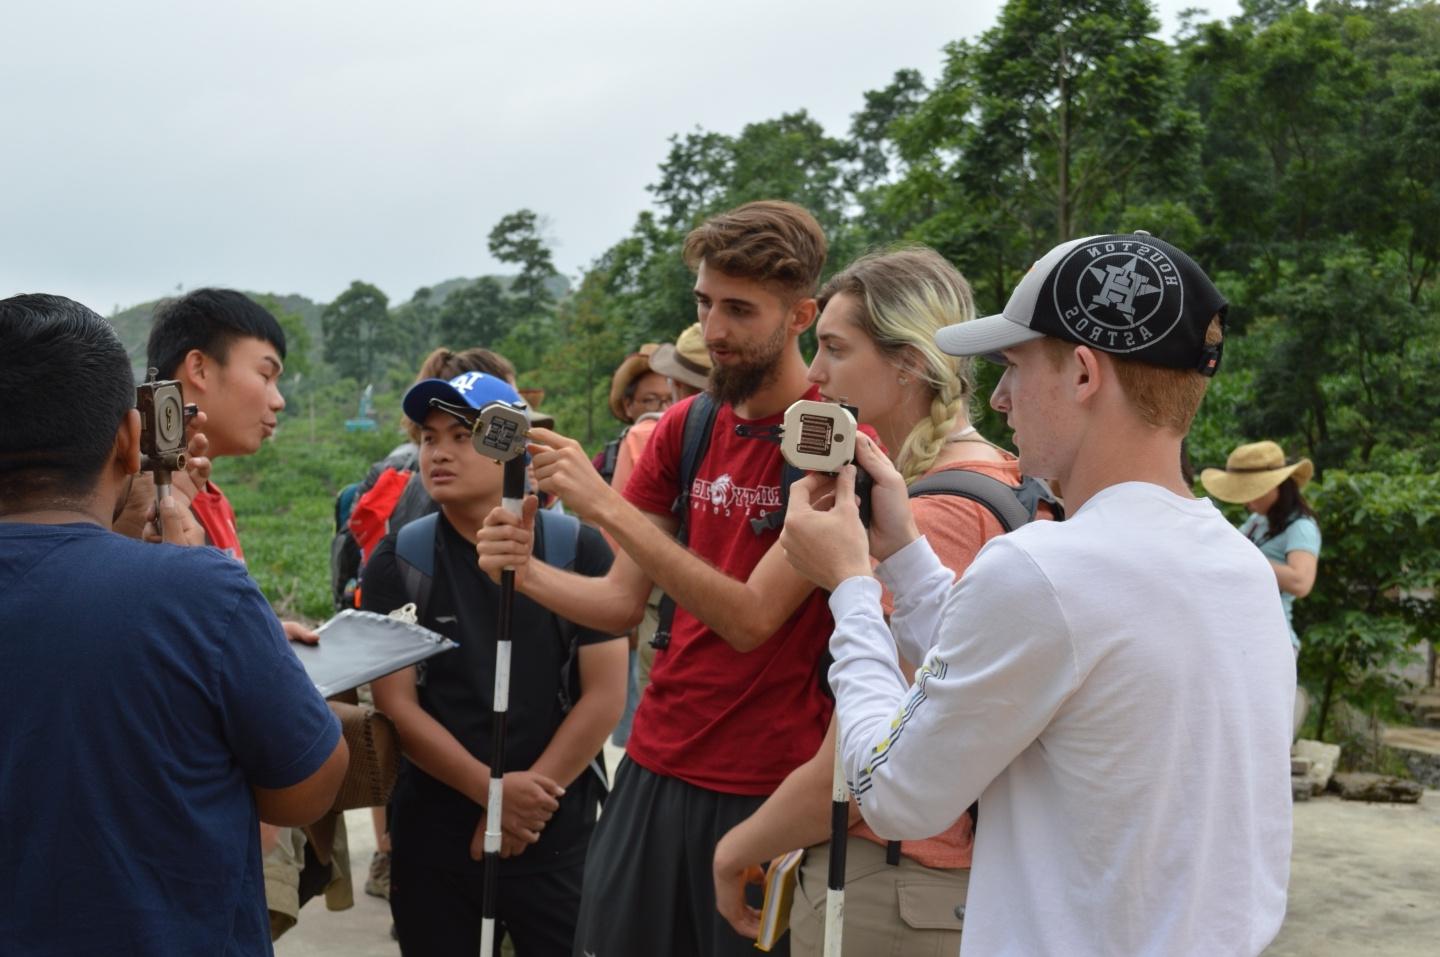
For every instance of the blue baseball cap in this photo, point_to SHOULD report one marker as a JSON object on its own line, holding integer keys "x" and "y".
{"x": 474, "y": 390}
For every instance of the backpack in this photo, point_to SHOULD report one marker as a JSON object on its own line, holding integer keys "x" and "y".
{"x": 390, "y": 496}
{"x": 604, "y": 461}
{"x": 558, "y": 544}
{"x": 1011, "y": 505}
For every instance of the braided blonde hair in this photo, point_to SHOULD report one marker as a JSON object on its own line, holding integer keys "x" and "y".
{"x": 905, "y": 295}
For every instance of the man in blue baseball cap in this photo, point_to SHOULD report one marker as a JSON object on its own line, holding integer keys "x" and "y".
{"x": 567, "y": 692}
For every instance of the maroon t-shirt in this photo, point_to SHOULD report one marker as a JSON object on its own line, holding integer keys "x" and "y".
{"x": 712, "y": 716}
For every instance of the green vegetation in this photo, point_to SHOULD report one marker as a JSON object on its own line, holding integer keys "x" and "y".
{"x": 1294, "y": 151}
{"x": 284, "y": 496}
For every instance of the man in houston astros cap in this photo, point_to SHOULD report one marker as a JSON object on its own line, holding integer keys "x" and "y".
{"x": 1112, "y": 688}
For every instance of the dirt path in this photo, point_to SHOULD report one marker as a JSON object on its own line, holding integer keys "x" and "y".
{"x": 1365, "y": 879}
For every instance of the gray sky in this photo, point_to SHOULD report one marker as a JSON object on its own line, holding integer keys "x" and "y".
{"x": 290, "y": 146}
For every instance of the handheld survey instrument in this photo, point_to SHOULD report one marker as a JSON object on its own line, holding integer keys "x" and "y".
{"x": 818, "y": 437}
{"x": 163, "y": 414}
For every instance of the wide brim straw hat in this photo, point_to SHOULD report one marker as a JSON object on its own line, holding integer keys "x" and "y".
{"x": 1251, "y": 471}
{"x": 635, "y": 365}
{"x": 686, "y": 361}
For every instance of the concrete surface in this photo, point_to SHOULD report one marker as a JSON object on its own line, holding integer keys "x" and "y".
{"x": 1365, "y": 879}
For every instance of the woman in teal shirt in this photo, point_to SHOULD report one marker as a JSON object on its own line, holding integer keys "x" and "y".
{"x": 1281, "y": 523}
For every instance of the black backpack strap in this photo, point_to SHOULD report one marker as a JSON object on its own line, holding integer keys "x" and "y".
{"x": 1033, "y": 492}
{"x": 997, "y": 497}
{"x": 694, "y": 443}
{"x": 611, "y": 454}
{"x": 789, "y": 475}
{"x": 415, "y": 547}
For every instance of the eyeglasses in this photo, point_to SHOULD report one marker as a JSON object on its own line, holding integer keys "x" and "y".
{"x": 651, "y": 402}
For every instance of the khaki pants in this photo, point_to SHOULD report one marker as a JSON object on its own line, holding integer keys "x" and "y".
{"x": 905, "y": 910}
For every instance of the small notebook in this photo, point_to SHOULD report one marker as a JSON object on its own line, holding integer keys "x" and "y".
{"x": 780, "y": 881}
{"x": 360, "y": 646}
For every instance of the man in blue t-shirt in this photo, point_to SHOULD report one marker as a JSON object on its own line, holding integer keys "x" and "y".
{"x": 146, "y": 732}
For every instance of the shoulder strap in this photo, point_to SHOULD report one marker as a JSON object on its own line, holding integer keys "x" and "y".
{"x": 415, "y": 550}
{"x": 997, "y": 497}
{"x": 1033, "y": 492}
{"x": 694, "y": 443}
{"x": 560, "y": 538}
{"x": 789, "y": 475}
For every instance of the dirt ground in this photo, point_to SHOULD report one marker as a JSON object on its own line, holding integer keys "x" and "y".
{"x": 1365, "y": 879}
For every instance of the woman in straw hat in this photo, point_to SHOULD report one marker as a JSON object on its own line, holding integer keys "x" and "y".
{"x": 686, "y": 363}
{"x": 1281, "y": 523}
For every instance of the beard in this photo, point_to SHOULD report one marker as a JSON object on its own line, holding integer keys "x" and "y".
{"x": 755, "y": 368}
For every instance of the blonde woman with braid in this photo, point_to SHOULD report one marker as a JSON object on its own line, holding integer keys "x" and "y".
{"x": 877, "y": 353}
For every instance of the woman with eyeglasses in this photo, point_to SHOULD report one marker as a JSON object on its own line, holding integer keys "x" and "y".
{"x": 638, "y": 396}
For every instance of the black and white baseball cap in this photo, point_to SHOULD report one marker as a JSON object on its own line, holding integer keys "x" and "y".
{"x": 1128, "y": 294}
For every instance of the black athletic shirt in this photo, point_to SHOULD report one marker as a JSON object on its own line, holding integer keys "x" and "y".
{"x": 458, "y": 686}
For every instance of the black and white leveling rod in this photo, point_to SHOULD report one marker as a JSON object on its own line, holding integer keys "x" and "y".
{"x": 820, "y": 437}
{"x": 839, "y": 835}
{"x": 500, "y": 434}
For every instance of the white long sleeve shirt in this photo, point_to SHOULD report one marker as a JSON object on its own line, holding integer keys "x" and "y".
{"x": 1117, "y": 690}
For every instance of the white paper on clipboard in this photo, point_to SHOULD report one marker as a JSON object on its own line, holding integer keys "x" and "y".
{"x": 360, "y": 646}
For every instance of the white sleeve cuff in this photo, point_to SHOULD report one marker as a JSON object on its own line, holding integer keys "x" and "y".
{"x": 915, "y": 562}
{"x": 854, "y": 594}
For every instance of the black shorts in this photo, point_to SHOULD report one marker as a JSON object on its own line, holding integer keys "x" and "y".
{"x": 648, "y": 886}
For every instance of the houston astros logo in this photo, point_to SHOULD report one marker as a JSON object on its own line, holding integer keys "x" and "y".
{"x": 1122, "y": 295}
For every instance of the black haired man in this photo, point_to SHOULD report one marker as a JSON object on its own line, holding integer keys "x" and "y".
{"x": 145, "y": 731}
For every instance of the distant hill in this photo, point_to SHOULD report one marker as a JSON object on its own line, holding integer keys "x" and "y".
{"x": 133, "y": 324}
{"x": 558, "y": 285}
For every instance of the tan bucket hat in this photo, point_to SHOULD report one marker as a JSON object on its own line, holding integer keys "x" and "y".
{"x": 635, "y": 365}
{"x": 686, "y": 361}
{"x": 1251, "y": 471}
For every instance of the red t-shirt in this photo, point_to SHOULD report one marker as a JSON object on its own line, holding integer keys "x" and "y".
{"x": 212, "y": 510}
{"x": 712, "y": 716}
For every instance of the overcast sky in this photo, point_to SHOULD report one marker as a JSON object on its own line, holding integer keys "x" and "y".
{"x": 287, "y": 146}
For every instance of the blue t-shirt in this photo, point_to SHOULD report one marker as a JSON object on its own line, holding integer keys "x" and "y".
{"x": 143, "y": 690}
{"x": 1301, "y": 535}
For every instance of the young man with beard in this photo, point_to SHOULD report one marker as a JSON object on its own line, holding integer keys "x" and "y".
{"x": 736, "y": 699}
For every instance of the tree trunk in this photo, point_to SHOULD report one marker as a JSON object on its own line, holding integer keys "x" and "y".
{"x": 1062, "y": 160}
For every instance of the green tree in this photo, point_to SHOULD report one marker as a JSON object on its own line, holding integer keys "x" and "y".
{"x": 476, "y": 315}
{"x": 416, "y": 328}
{"x": 518, "y": 239}
{"x": 1063, "y": 119}
{"x": 1372, "y": 601}
{"x": 297, "y": 338}
{"x": 355, "y": 329}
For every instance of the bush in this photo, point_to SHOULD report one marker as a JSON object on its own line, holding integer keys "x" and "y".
{"x": 1373, "y": 600}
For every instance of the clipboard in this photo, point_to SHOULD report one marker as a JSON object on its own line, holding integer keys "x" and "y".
{"x": 360, "y": 646}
